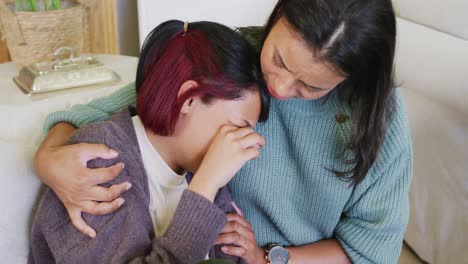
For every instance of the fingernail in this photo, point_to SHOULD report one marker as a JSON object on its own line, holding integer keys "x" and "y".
{"x": 122, "y": 165}
{"x": 120, "y": 202}
{"x": 92, "y": 234}
{"x": 225, "y": 249}
{"x": 113, "y": 153}
{"x": 128, "y": 186}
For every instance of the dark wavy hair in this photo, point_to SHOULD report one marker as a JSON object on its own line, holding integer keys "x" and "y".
{"x": 358, "y": 38}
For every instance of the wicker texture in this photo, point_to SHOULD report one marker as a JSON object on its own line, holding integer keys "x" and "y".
{"x": 35, "y": 36}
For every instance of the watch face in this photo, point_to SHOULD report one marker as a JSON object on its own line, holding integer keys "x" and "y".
{"x": 278, "y": 255}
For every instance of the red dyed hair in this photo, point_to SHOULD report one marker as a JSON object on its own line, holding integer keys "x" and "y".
{"x": 186, "y": 57}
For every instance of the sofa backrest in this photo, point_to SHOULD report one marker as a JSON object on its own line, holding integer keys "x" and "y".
{"x": 432, "y": 68}
{"x": 432, "y": 52}
{"x": 449, "y": 16}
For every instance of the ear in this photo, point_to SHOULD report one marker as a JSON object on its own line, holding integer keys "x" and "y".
{"x": 188, "y": 104}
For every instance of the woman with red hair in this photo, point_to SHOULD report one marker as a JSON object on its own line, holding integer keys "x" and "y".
{"x": 199, "y": 95}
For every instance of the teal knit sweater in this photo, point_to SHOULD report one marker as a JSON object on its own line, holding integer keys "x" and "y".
{"x": 289, "y": 194}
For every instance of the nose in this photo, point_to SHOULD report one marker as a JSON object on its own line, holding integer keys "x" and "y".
{"x": 283, "y": 86}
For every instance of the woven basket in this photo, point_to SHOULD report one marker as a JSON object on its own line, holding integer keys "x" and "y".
{"x": 35, "y": 36}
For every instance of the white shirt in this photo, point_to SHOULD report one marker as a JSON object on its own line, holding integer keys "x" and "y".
{"x": 165, "y": 186}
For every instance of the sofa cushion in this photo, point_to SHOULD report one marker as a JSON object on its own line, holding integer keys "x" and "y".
{"x": 18, "y": 198}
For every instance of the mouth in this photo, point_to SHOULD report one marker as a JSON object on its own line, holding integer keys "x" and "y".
{"x": 274, "y": 95}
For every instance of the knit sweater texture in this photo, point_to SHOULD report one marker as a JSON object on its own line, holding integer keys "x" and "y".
{"x": 127, "y": 235}
{"x": 290, "y": 194}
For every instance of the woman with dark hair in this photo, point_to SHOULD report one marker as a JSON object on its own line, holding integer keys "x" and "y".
{"x": 332, "y": 185}
{"x": 185, "y": 79}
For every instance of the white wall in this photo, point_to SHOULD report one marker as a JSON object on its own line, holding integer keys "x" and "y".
{"x": 150, "y": 13}
{"x": 127, "y": 17}
{"x": 233, "y": 13}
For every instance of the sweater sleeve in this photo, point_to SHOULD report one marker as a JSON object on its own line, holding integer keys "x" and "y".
{"x": 96, "y": 110}
{"x": 126, "y": 234}
{"x": 121, "y": 235}
{"x": 373, "y": 224}
{"x": 223, "y": 200}
{"x": 195, "y": 225}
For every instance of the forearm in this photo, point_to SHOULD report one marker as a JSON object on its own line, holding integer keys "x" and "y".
{"x": 325, "y": 251}
{"x": 97, "y": 110}
{"x": 192, "y": 232}
{"x": 58, "y": 136}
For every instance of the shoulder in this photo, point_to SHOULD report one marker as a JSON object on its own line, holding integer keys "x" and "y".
{"x": 399, "y": 123}
{"x": 398, "y": 136}
{"x": 116, "y": 133}
{"x": 396, "y": 151}
{"x": 105, "y": 131}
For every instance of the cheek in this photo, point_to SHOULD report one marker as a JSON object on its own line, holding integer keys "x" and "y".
{"x": 200, "y": 130}
{"x": 207, "y": 131}
{"x": 199, "y": 142}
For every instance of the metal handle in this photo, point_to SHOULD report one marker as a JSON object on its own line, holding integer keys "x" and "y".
{"x": 61, "y": 50}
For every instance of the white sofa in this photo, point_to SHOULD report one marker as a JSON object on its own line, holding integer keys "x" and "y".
{"x": 432, "y": 69}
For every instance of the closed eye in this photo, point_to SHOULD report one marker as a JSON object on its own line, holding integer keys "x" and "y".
{"x": 313, "y": 89}
{"x": 277, "y": 61}
{"x": 237, "y": 125}
{"x": 245, "y": 124}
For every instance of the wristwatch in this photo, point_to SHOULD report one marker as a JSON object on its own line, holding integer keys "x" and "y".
{"x": 276, "y": 254}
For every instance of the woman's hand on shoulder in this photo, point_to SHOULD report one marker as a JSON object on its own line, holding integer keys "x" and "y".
{"x": 64, "y": 169}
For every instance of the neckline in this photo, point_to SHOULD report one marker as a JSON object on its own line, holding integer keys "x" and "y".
{"x": 328, "y": 104}
{"x": 169, "y": 177}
